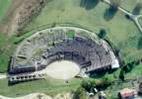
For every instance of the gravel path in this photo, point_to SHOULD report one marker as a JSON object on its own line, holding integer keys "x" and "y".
{"x": 2, "y": 76}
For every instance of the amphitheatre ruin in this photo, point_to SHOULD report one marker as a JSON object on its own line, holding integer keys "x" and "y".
{"x": 61, "y": 53}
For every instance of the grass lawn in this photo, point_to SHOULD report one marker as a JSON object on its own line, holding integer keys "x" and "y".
{"x": 4, "y": 4}
{"x": 5, "y": 43}
{"x": 7, "y": 47}
{"x": 49, "y": 86}
{"x": 6, "y": 50}
{"x": 140, "y": 21}
{"x": 130, "y": 4}
{"x": 136, "y": 72}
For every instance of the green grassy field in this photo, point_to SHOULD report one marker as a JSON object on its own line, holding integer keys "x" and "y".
{"x": 140, "y": 21}
{"x": 4, "y": 5}
{"x": 49, "y": 86}
{"x": 6, "y": 50}
{"x": 5, "y": 42}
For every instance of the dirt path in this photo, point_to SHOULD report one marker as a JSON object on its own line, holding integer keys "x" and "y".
{"x": 42, "y": 96}
{"x": 3, "y": 76}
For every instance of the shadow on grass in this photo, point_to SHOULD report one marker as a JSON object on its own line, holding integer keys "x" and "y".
{"x": 98, "y": 74}
{"x": 110, "y": 13}
{"x": 137, "y": 9}
{"x": 139, "y": 46}
{"x": 89, "y": 4}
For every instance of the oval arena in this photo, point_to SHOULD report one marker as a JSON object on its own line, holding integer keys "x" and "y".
{"x": 80, "y": 52}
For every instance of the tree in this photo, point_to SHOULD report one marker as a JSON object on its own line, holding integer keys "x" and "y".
{"x": 80, "y": 93}
{"x": 102, "y": 33}
{"x": 121, "y": 75}
{"x": 137, "y": 8}
{"x": 112, "y": 10}
{"x": 115, "y": 4}
{"x": 86, "y": 84}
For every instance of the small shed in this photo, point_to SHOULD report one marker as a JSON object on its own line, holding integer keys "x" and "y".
{"x": 127, "y": 93}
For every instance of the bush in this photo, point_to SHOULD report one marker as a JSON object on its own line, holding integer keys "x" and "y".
{"x": 102, "y": 33}
{"x": 121, "y": 75}
{"x": 80, "y": 93}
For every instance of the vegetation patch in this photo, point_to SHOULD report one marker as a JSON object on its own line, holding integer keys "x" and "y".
{"x": 6, "y": 50}
{"x": 4, "y": 5}
{"x": 49, "y": 86}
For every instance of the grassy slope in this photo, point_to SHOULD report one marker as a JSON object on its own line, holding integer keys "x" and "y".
{"x": 4, "y": 4}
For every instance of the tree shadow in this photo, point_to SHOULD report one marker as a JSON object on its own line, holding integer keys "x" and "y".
{"x": 139, "y": 46}
{"x": 110, "y": 13}
{"x": 98, "y": 74}
{"x": 89, "y": 4}
{"x": 137, "y": 9}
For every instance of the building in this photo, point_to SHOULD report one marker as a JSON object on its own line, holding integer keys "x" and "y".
{"x": 127, "y": 94}
{"x": 140, "y": 88}
{"x": 36, "y": 52}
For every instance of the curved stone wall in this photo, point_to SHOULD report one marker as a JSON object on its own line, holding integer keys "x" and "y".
{"x": 62, "y": 43}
